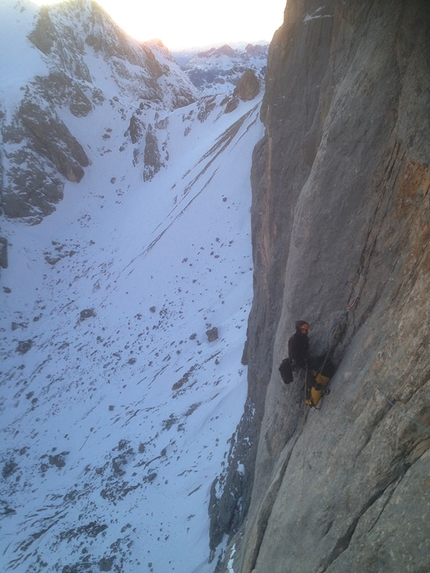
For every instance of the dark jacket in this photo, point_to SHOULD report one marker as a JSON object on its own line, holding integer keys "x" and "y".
{"x": 298, "y": 348}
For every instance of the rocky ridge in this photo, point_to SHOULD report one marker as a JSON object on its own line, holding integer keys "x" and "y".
{"x": 79, "y": 47}
{"x": 340, "y": 221}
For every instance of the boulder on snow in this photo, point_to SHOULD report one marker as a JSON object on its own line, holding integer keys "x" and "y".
{"x": 58, "y": 460}
{"x": 87, "y": 313}
{"x": 212, "y": 334}
{"x": 24, "y": 346}
{"x": 3, "y": 253}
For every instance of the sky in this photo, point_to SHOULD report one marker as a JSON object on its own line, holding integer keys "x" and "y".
{"x": 182, "y": 24}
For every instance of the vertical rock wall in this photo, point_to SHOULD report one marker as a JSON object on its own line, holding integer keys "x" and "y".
{"x": 341, "y": 238}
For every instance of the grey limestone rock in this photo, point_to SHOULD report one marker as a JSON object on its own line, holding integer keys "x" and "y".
{"x": 340, "y": 236}
{"x": 3, "y": 252}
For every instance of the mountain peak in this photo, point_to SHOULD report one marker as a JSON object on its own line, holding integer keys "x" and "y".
{"x": 225, "y": 50}
{"x": 84, "y": 60}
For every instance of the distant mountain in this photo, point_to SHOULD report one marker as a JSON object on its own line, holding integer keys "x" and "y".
{"x": 220, "y": 68}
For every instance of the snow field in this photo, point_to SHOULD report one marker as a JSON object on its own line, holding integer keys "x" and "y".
{"x": 134, "y": 400}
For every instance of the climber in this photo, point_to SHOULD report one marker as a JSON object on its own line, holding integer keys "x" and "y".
{"x": 298, "y": 346}
{"x": 313, "y": 371}
{"x": 306, "y": 366}
{"x": 298, "y": 356}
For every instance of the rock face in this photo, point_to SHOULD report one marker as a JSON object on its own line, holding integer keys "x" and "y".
{"x": 341, "y": 239}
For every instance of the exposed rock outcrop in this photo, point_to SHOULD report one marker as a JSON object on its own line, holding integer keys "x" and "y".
{"x": 341, "y": 238}
{"x": 3, "y": 252}
{"x": 152, "y": 157}
{"x": 52, "y": 138}
{"x": 248, "y": 87}
{"x": 40, "y": 149}
{"x": 135, "y": 129}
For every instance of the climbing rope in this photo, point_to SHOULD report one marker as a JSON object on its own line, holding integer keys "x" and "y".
{"x": 401, "y": 412}
{"x": 335, "y": 332}
{"x": 303, "y": 472}
{"x": 331, "y": 342}
{"x": 331, "y": 339}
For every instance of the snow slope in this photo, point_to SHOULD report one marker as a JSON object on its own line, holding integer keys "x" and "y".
{"x": 135, "y": 393}
{"x": 116, "y": 408}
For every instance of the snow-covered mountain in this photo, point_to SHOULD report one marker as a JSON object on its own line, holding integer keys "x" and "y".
{"x": 219, "y": 69}
{"x": 124, "y": 310}
{"x": 62, "y": 64}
